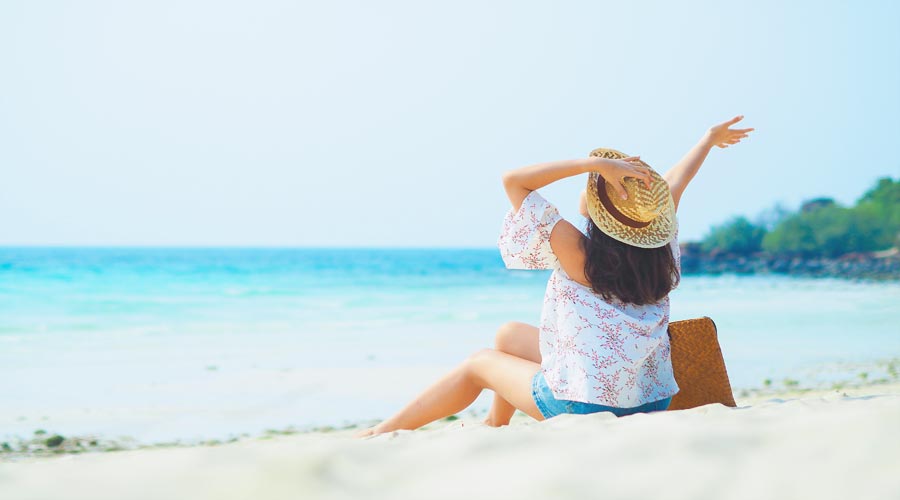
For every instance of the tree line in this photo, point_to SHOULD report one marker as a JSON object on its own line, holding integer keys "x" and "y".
{"x": 820, "y": 228}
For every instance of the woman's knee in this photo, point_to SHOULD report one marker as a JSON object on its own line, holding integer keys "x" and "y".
{"x": 479, "y": 357}
{"x": 507, "y": 335}
{"x": 519, "y": 339}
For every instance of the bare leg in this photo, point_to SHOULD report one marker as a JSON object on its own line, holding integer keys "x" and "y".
{"x": 453, "y": 393}
{"x": 518, "y": 339}
{"x": 503, "y": 373}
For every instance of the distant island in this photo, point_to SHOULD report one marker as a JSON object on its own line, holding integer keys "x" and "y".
{"x": 822, "y": 238}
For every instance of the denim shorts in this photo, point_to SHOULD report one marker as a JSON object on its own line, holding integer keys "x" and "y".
{"x": 550, "y": 407}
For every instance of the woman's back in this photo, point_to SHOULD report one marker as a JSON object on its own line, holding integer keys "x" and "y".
{"x": 594, "y": 350}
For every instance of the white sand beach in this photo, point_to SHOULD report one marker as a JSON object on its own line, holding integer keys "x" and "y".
{"x": 822, "y": 445}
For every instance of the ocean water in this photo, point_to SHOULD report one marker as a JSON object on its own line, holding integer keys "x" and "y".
{"x": 164, "y": 344}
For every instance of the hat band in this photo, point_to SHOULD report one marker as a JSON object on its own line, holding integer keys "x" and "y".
{"x": 608, "y": 205}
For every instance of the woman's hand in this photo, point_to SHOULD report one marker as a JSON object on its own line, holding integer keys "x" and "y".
{"x": 614, "y": 171}
{"x": 720, "y": 135}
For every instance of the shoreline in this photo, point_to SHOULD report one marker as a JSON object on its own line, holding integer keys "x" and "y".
{"x": 47, "y": 444}
{"x": 865, "y": 266}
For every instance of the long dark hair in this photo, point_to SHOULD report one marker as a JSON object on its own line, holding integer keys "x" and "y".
{"x": 625, "y": 272}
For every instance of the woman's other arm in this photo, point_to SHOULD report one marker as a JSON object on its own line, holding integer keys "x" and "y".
{"x": 679, "y": 176}
{"x": 521, "y": 181}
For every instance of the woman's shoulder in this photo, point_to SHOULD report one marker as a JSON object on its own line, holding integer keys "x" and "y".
{"x": 568, "y": 244}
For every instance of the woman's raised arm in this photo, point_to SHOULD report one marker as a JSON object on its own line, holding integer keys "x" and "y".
{"x": 719, "y": 135}
{"x": 521, "y": 181}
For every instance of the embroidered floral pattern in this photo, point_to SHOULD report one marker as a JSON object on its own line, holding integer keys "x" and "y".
{"x": 593, "y": 351}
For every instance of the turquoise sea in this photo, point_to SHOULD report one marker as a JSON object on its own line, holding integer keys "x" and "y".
{"x": 163, "y": 344}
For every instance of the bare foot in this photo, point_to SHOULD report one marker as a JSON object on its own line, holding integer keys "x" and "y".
{"x": 365, "y": 433}
{"x": 371, "y": 431}
{"x": 491, "y": 423}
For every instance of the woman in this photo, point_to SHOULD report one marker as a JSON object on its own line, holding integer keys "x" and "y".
{"x": 602, "y": 344}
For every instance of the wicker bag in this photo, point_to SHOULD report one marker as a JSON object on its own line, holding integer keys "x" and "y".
{"x": 698, "y": 365}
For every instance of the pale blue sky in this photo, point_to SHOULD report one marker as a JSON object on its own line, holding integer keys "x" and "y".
{"x": 389, "y": 123}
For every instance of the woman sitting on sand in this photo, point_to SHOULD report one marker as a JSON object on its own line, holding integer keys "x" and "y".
{"x": 602, "y": 343}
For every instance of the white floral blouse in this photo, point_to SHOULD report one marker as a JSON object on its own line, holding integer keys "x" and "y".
{"x": 608, "y": 353}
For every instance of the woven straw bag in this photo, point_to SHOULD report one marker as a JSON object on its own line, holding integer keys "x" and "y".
{"x": 698, "y": 365}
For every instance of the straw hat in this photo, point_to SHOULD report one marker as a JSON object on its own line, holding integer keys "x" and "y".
{"x": 646, "y": 219}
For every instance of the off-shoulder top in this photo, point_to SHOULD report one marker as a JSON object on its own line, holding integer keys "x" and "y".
{"x": 592, "y": 350}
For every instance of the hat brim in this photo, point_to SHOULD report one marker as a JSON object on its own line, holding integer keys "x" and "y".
{"x": 660, "y": 231}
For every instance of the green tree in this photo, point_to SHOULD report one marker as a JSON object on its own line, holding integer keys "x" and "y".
{"x": 831, "y": 231}
{"x": 794, "y": 235}
{"x": 737, "y": 235}
{"x": 821, "y": 227}
{"x": 879, "y": 209}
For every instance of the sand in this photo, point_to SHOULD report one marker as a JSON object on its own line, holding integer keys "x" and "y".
{"x": 814, "y": 445}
